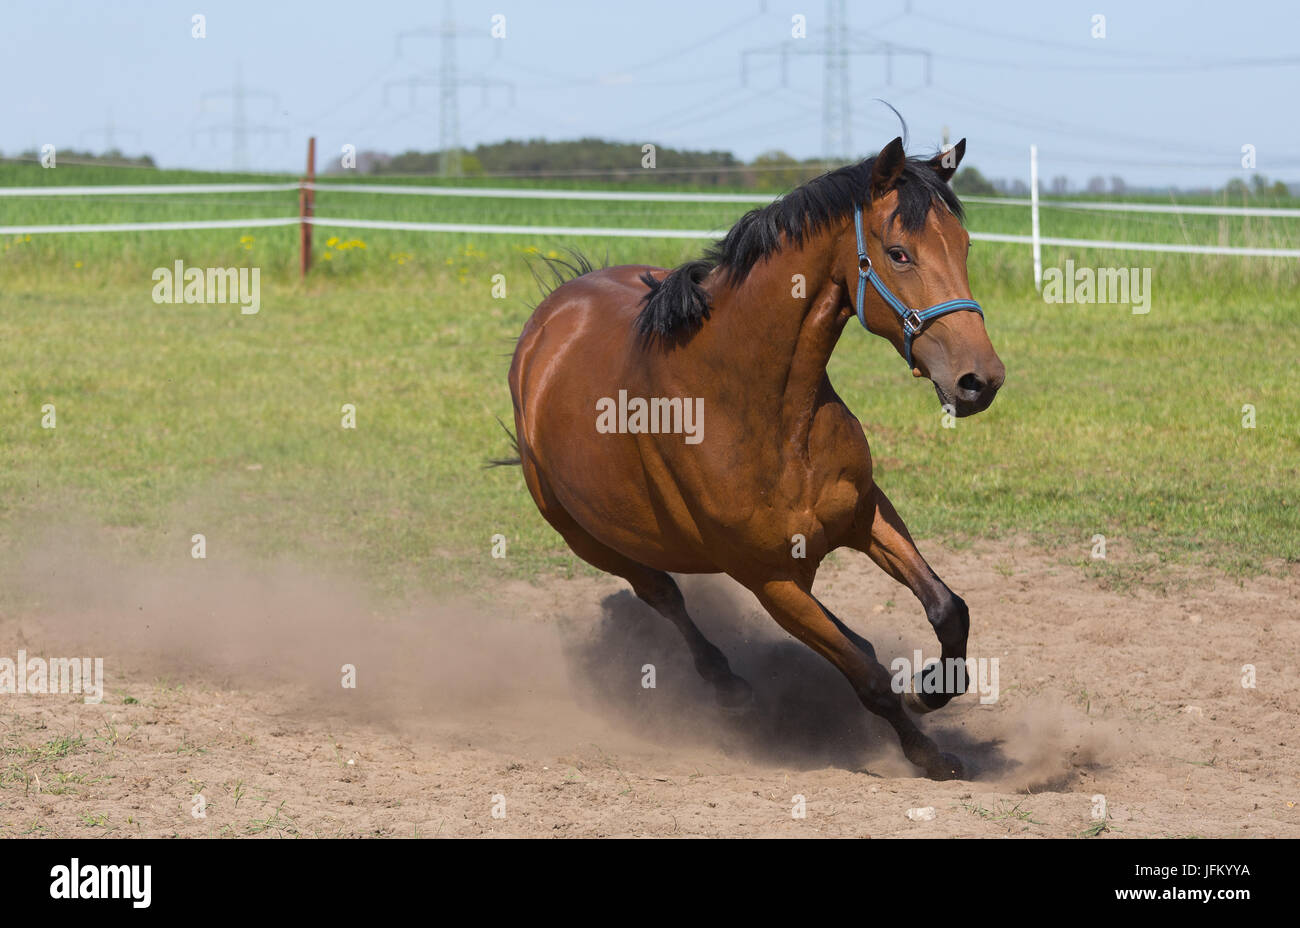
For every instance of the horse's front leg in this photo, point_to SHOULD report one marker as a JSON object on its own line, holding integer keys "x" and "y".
{"x": 792, "y": 604}
{"x": 883, "y": 537}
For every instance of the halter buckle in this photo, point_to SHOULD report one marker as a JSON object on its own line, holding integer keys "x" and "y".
{"x": 912, "y": 322}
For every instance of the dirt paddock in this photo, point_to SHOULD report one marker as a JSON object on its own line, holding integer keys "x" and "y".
{"x": 224, "y": 682}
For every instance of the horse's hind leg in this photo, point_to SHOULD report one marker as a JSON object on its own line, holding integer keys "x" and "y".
{"x": 799, "y": 613}
{"x": 660, "y": 591}
{"x": 884, "y": 538}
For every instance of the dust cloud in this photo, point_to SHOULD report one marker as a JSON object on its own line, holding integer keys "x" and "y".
{"x": 240, "y": 623}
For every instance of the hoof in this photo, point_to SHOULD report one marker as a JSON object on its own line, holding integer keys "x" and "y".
{"x": 734, "y": 695}
{"x": 928, "y": 695}
{"x": 949, "y": 767}
{"x": 913, "y": 701}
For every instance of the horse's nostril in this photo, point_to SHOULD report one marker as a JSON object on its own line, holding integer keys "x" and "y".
{"x": 970, "y": 383}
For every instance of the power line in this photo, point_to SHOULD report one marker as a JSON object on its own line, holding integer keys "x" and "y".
{"x": 357, "y": 91}
{"x": 1020, "y": 65}
{"x": 708, "y": 115}
{"x": 835, "y": 51}
{"x": 1038, "y": 122}
{"x": 837, "y": 126}
{"x": 239, "y": 127}
{"x": 699, "y": 43}
{"x": 1173, "y": 63}
{"x": 449, "y": 81}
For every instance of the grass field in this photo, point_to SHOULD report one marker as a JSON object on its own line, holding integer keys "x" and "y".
{"x": 177, "y": 419}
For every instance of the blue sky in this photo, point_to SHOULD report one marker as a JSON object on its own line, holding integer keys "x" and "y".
{"x": 1170, "y": 95}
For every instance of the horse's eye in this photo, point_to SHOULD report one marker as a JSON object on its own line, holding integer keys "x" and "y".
{"x": 898, "y": 255}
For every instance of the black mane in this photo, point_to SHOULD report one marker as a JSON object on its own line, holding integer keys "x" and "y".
{"x": 679, "y": 303}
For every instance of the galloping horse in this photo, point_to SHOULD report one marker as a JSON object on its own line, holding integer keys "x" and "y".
{"x": 778, "y": 455}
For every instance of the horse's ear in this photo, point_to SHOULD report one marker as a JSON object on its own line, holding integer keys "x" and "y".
{"x": 887, "y": 167}
{"x": 945, "y": 163}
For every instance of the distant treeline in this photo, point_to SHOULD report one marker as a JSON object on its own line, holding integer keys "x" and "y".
{"x": 773, "y": 170}
{"x": 598, "y": 158}
{"x": 970, "y": 182}
{"x": 73, "y": 156}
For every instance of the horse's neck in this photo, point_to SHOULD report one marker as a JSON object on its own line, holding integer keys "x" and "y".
{"x": 789, "y": 328}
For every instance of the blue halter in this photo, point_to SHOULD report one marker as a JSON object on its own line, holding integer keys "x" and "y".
{"x": 913, "y": 321}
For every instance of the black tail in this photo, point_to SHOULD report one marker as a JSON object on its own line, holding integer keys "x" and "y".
{"x": 561, "y": 270}
{"x": 514, "y": 443}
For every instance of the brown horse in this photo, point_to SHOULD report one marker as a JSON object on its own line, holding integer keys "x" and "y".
{"x": 616, "y": 368}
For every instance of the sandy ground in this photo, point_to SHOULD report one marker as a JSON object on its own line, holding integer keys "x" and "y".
{"x": 224, "y": 682}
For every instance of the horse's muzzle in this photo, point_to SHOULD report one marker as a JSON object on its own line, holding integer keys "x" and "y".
{"x": 971, "y": 393}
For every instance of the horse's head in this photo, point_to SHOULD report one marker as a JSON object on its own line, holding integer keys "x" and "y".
{"x": 917, "y": 249}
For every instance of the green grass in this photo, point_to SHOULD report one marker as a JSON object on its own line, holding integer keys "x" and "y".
{"x": 177, "y": 419}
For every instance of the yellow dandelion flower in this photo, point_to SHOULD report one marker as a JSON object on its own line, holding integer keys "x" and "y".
{"x": 331, "y": 241}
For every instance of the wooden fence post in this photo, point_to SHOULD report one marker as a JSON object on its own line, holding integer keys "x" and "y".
{"x": 307, "y": 206}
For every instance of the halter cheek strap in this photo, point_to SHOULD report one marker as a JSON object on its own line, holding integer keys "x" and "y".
{"x": 913, "y": 320}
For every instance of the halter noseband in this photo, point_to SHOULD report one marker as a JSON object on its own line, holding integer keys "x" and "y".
{"x": 913, "y": 321}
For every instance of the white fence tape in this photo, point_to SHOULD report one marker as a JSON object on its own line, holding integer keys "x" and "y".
{"x": 141, "y": 189}
{"x": 524, "y": 193}
{"x": 1271, "y": 212}
{"x": 717, "y": 233}
{"x": 1242, "y": 252}
{"x": 593, "y": 231}
{"x": 633, "y": 196}
{"x": 151, "y": 226}
{"x": 605, "y": 232}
